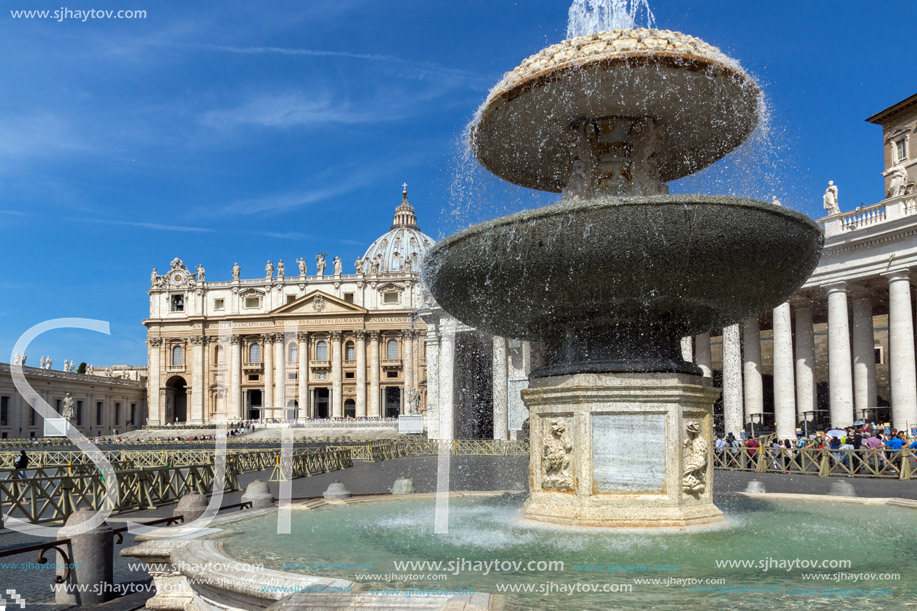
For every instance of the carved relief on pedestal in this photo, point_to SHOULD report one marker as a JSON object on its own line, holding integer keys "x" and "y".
{"x": 557, "y": 459}
{"x": 694, "y": 478}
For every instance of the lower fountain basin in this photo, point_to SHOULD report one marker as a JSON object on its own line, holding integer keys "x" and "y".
{"x": 612, "y": 284}
{"x": 389, "y": 546}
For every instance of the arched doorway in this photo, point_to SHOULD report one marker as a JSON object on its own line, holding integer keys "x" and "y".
{"x": 392, "y": 401}
{"x": 176, "y": 409}
{"x": 322, "y": 403}
{"x": 292, "y": 410}
{"x": 350, "y": 408}
{"x": 253, "y": 404}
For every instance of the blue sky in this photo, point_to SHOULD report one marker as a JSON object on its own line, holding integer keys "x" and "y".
{"x": 243, "y": 131}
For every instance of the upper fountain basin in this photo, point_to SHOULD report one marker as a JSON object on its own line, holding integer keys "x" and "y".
{"x": 617, "y": 278}
{"x": 702, "y": 102}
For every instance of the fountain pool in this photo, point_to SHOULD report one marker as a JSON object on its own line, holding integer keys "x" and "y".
{"x": 373, "y": 536}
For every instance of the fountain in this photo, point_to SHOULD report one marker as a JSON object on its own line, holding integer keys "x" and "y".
{"x": 612, "y": 276}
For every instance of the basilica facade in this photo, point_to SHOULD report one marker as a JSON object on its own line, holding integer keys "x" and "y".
{"x": 293, "y": 344}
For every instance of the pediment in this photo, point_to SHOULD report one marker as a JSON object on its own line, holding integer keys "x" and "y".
{"x": 318, "y": 303}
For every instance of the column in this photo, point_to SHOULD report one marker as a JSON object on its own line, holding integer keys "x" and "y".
{"x": 500, "y": 386}
{"x": 446, "y": 388}
{"x": 267, "y": 355}
{"x": 864, "y": 355}
{"x": 153, "y": 404}
{"x": 374, "y": 411}
{"x": 361, "y": 372}
{"x": 687, "y": 349}
{"x": 235, "y": 378}
{"x": 408, "y": 342}
{"x": 337, "y": 395}
{"x": 840, "y": 376}
{"x": 784, "y": 386}
{"x": 702, "y": 354}
{"x": 197, "y": 380}
{"x": 901, "y": 350}
{"x": 431, "y": 343}
{"x": 751, "y": 370}
{"x": 280, "y": 372}
{"x": 805, "y": 361}
{"x": 302, "y": 356}
{"x": 732, "y": 380}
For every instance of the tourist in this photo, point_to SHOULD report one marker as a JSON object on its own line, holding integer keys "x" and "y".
{"x": 719, "y": 444}
{"x": 21, "y": 464}
{"x": 845, "y": 453}
{"x": 751, "y": 447}
{"x": 789, "y": 453}
{"x": 893, "y": 452}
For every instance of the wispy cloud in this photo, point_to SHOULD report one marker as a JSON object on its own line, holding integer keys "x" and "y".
{"x": 144, "y": 225}
{"x": 394, "y": 66}
{"x": 292, "y": 110}
{"x": 289, "y": 201}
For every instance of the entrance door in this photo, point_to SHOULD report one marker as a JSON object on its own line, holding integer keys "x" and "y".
{"x": 350, "y": 408}
{"x": 322, "y": 403}
{"x": 392, "y": 401}
{"x": 254, "y": 404}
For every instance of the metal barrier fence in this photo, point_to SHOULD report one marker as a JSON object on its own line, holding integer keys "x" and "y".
{"x": 824, "y": 462}
{"x": 47, "y": 499}
{"x": 308, "y": 463}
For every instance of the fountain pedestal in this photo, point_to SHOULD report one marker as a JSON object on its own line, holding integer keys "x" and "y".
{"x": 622, "y": 450}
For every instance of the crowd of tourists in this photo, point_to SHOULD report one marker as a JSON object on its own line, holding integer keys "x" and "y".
{"x": 867, "y": 441}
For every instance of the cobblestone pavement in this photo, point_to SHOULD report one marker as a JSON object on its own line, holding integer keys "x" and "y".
{"x": 466, "y": 473}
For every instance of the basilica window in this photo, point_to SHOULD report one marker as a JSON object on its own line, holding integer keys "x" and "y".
{"x": 900, "y": 150}
{"x": 178, "y": 356}
{"x": 219, "y": 305}
{"x": 391, "y": 350}
{"x": 349, "y": 352}
{"x": 321, "y": 351}
{"x": 218, "y": 355}
{"x": 348, "y": 297}
{"x": 254, "y": 354}
{"x": 292, "y": 353}
{"x": 390, "y": 297}
{"x": 252, "y": 302}
{"x": 177, "y": 303}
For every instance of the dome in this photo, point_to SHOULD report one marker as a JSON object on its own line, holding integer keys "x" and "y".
{"x": 404, "y": 239}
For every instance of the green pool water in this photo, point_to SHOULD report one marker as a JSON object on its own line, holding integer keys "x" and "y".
{"x": 863, "y": 548}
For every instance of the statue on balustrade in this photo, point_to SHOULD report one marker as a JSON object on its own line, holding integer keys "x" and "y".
{"x": 236, "y": 271}
{"x": 302, "y": 266}
{"x": 67, "y": 407}
{"x": 830, "y": 199}
{"x": 897, "y": 176}
{"x": 338, "y": 268}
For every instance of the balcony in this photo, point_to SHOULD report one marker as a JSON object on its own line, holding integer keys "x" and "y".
{"x": 320, "y": 364}
{"x": 252, "y": 367}
{"x": 391, "y": 363}
{"x": 867, "y": 216}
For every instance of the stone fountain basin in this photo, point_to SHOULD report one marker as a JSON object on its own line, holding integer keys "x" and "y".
{"x": 612, "y": 284}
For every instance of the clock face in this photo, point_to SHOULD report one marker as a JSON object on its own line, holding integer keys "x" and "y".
{"x": 176, "y": 277}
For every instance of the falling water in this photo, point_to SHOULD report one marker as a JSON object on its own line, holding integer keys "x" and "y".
{"x": 590, "y": 16}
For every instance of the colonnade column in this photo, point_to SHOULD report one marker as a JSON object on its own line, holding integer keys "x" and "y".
{"x": 432, "y": 347}
{"x": 280, "y": 372}
{"x": 687, "y": 349}
{"x": 235, "y": 377}
{"x": 702, "y": 354}
{"x": 374, "y": 411}
{"x": 446, "y": 388}
{"x": 337, "y": 395}
{"x": 360, "y": 335}
{"x": 732, "y": 379}
{"x": 840, "y": 374}
{"x": 408, "y": 341}
{"x": 805, "y": 361}
{"x": 751, "y": 370}
{"x": 197, "y": 379}
{"x": 500, "y": 386}
{"x": 267, "y": 355}
{"x": 864, "y": 355}
{"x": 154, "y": 408}
{"x": 784, "y": 380}
{"x": 901, "y": 350}
{"x": 302, "y": 377}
